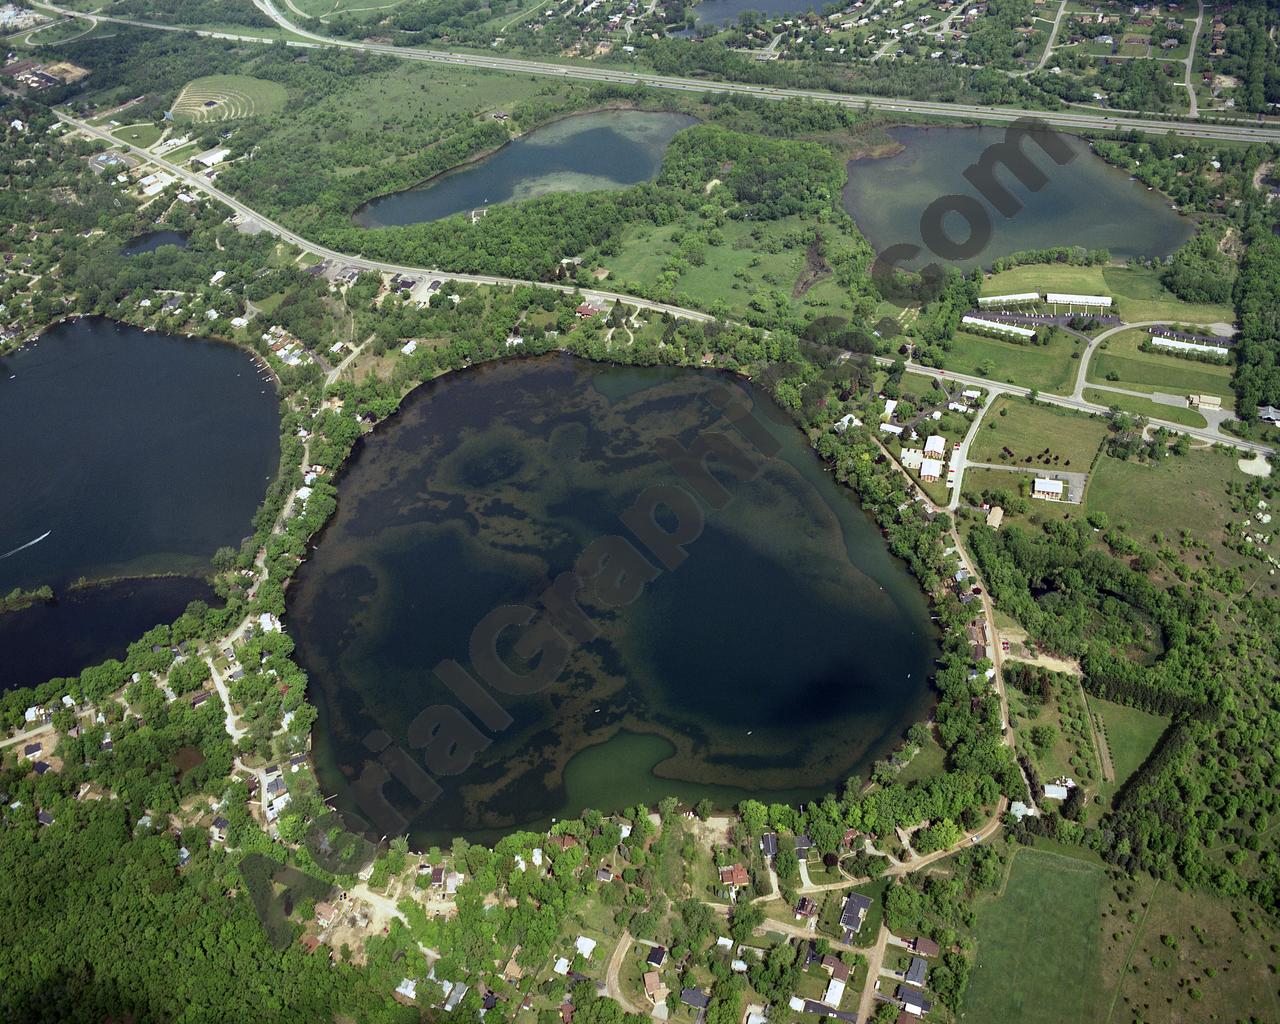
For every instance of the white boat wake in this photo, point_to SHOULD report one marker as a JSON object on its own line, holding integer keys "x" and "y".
{"x": 28, "y": 544}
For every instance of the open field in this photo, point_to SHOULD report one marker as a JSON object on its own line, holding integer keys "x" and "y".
{"x": 1027, "y": 430}
{"x": 1190, "y": 959}
{"x": 1038, "y": 957}
{"x": 1188, "y": 417}
{"x": 227, "y": 98}
{"x": 1138, "y": 292}
{"x": 1043, "y": 367}
{"x": 143, "y": 135}
{"x": 734, "y": 273}
{"x": 323, "y": 8}
{"x": 1131, "y": 735}
{"x": 1180, "y": 493}
{"x": 1148, "y": 371}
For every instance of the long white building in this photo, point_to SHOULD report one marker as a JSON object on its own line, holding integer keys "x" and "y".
{"x": 1016, "y": 299}
{"x": 1067, "y": 299}
{"x": 1189, "y": 346}
{"x": 995, "y": 326}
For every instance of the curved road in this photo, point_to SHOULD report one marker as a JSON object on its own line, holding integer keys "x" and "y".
{"x": 203, "y": 184}
{"x": 196, "y": 181}
{"x": 1068, "y": 119}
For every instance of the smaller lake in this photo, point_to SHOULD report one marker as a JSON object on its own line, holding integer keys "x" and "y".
{"x": 153, "y": 240}
{"x": 610, "y": 149}
{"x": 725, "y": 13}
{"x": 1086, "y": 201}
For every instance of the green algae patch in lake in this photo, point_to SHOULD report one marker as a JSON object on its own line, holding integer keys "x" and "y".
{"x": 610, "y": 149}
{"x": 1086, "y": 201}
{"x": 782, "y": 656}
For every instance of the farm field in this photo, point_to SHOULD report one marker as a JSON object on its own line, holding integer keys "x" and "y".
{"x": 1037, "y": 945}
{"x": 1043, "y": 367}
{"x": 1027, "y": 430}
{"x": 1188, "y": 417}
{"x": 227, "y": 98}
{"x": 1148, "y": 371}
{"x": 1138, "y": 292}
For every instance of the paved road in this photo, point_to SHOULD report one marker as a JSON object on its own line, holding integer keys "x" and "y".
{"x": 1210, "y": 434}
{"x": 198, "y": 181}
{"x": 1191, "y": 60}
{"x": 1075, "y": 120}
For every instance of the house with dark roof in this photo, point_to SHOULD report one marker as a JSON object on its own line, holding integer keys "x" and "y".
{"x": 657, "y": 956}
{"x": 769, "y": 844}
{"x": 44, "y": 817}
{"x": 32, "y": 749}
{"x": 924, "y": 946}
{"x": 915, "y": 972}
{"x": 803, "y": 844}
{"x": 695, "y": 997}
{"x": 913, "y": 1001}
{"x": 218, "y": 830}
{"x": 855, "y": 910}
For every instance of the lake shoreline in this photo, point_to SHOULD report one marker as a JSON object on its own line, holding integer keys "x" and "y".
{"x": 488, "y": 154}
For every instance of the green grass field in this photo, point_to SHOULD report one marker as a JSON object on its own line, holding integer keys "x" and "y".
{"x": 1038, "y": 945}
{"x": 1149, "y": 371}
{"x": 1145, "y": 407}
{"x": 734, "y": 273}
{"x": 1028, "y": 429}
{"x": 143, "y": 135}
{"x": 1138, "y": 292}
{"x": 1043, "y": 367}
{"x": 227, "y": 98}
{"x": 1190, "y": 960}
{"x": 323, "y": 8}
{"x": 1179, "y": 493}
{"x": 1131, "y": 735}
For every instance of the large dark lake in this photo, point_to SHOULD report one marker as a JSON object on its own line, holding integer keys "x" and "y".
{"x": 585, "y": 153}
{"x": 786, "y": 653}
{"x": 123, "y": 454}
{"x": 1086, "y": 201}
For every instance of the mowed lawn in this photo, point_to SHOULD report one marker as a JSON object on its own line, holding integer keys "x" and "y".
{"x": 1027, "y": 430}
{"x": 1039, "y": 944}
{"x": 1149, "y": 371}
{"x": 1185, "y": 415}
{"x": 1048, "y": 368}
{"x": 1138, "y": 293}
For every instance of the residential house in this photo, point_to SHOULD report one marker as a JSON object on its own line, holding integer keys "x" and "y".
{"x": 853, "y": 914}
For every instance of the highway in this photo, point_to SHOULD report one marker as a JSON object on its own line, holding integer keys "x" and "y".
{"x": 1072, "y": 120}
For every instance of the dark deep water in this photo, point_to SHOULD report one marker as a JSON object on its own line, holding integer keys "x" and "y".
{"x": 123, "y": 453}
{"x": 787, "y": 652}
{"x": 87, "y": 626}
{"x": 584, "y": 153}
{"x": 1085, "y": 202}
{"x": 152, "y": 240}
